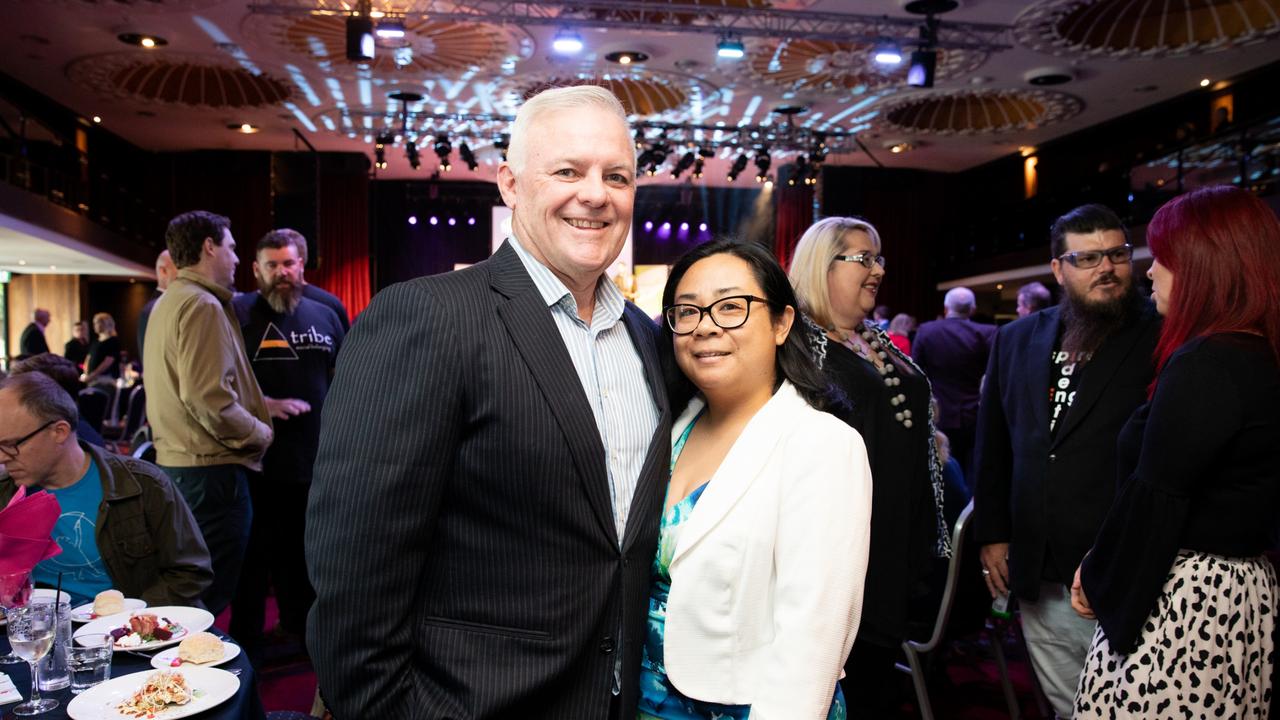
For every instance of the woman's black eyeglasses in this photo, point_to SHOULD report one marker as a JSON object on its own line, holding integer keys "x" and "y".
{"x": 727, "y": 313}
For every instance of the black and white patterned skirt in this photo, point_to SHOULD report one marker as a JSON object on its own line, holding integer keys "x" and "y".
{"x": 1206, "y": 650}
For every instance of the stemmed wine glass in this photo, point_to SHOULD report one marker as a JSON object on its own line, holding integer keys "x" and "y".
{"x": 31, "y": 631}
{"x": 15, "y": 591}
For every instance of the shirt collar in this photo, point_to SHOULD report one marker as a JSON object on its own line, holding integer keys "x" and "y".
{"x": 609, "y": 299}
{"x": 223, "y": 294}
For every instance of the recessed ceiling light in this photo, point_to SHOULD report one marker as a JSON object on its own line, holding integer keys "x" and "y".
{"x": 245, "y": 128}
{"x": 53, "y": 267}
{"x": 1204, "y": 82}
{"x": 142, "y": 40}
{"x": 97, "y": 118}
{"x": 627, "y": 57}
{"x": 22, "y": 262}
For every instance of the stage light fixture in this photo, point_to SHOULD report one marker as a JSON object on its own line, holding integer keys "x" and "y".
{"x": 888, "y": 54}
{"x": 360, "y": 38}
{"x": 390, "y": 29}
{"x": 567, "y": 42}
{"x": 411, "y": 152}
{"x": 921, "y": 72}
{"x": 142, "y": 40}
{"x": 442, "y": 149}
{"x": 763, "y": 161}
{"x": 738, "y": 166}
{"x": 684, "y": 164}
{"x": 468, "y": 157}
{"x": 697, "y": 169}
{"x": 730, "y": 47}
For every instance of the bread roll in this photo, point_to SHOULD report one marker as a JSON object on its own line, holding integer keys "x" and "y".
{"x": 108, "y": 602}
{"x": 201, "y": 648}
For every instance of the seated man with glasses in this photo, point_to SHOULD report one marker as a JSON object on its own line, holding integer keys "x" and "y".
{"x": 122, "y": 525}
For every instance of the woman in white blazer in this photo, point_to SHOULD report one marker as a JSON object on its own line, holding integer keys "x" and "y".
{"x": 757, "y": 583}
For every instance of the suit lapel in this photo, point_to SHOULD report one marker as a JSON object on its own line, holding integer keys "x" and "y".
{"x": 1040, "y": 350}
{"x": 749, "y": 454}
{"x": 655, "y": 471}
{"x": 537, "y": 339}
{"x": 1099, "y": 372}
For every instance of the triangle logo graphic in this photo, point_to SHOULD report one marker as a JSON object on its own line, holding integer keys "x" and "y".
{"x": 274, "y": 346}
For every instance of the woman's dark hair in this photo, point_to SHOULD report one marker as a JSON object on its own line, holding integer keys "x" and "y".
{"x": 793, "y": 361}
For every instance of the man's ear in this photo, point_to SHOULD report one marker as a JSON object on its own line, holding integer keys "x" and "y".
{"x": 507, "y": 184}
{"x": 1056, "y": 266}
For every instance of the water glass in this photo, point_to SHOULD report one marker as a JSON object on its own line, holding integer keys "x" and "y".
{"x": 31, "y": 632}
{"x": 54, "y": 674}
{"x": 90, "y": 661}
{"x": 15, "y": 591}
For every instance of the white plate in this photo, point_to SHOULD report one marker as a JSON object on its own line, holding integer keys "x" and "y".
{"x": 211, "y": 686}
{"x": 192, "y": 620}
{"x": 164, "y": 660}
{"x": 46, "y": 594}
{"x": 84, "y": 613}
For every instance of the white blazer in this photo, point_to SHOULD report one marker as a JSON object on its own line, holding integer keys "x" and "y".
{"x": 767, "y": 574}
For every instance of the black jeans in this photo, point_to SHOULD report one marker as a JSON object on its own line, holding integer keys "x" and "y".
{"x": 218, "y": 496}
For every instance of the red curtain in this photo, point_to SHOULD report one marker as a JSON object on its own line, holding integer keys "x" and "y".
{"x": 342, "y": 263}
{"x": 794, "y": 215}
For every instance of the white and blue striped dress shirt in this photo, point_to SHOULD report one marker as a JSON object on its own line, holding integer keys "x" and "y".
{"x": 612, "y": 377}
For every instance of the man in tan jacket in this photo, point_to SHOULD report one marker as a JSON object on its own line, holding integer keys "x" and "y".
{"x": 209, "y": 419}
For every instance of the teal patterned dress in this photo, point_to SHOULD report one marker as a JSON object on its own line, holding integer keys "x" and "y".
{"x": 659, "y": 699}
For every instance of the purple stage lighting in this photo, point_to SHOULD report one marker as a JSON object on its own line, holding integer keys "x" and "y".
{"x": 648, "y": 226}
{"x": 702, "y": 227}
{"x": 433, "y": 220}
{"x": 471, "y": 221}
{"x": 452, "y": 222}
{"x": 413, "y": 219}
{"x": 684, "y": 226}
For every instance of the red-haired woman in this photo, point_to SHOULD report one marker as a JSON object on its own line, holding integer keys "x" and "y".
{"x": 1185, "y": 603}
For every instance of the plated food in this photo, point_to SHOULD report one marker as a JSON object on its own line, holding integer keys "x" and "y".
{"x": 104, "y": 605}
{"x": 165, "y": 695}
{"x": 203, "y": 648}
{"x": 151, "y": 628}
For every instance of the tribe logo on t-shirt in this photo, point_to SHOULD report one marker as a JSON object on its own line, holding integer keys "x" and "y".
{"x": 278, "y": 345}
{"x": 1065, "y": 382}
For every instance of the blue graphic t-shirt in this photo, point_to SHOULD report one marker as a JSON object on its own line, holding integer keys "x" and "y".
{"x": 83, "y": 574}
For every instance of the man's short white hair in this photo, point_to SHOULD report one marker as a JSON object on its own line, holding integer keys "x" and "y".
{"x": 553, "y": 100}
{"x": 960, "y": 300}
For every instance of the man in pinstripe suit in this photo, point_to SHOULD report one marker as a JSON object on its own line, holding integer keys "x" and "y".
{"x": 493, "y": 459}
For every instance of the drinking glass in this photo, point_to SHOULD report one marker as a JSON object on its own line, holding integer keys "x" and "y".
{"x": 15, "y": 591}
{"x": 90, "y": 661}
{"x": 31, "y": 630}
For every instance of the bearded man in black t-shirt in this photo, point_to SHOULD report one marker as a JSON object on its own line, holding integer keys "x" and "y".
{"x": 292, "y": 343}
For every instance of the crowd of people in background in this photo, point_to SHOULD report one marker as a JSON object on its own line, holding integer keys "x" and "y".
{"x": 508, "y": 492}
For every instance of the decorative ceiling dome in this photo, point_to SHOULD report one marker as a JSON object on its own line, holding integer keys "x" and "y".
{"x": 438, "y": 48}
{"x": 970, "y": 112}
{"x": 1140, "y": 28}
{"x": 833, "y": 67}
{"x": 193, "y": 81}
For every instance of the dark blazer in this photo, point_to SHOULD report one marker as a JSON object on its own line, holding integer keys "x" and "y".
{"x": 953, "y": 353}
{"x": 459, "y": 531}
{"x": 32, "y": 341}
{"x": 1040, "y": 494}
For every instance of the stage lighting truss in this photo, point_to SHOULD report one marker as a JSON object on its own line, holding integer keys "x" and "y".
{"x": 738, "y": 21}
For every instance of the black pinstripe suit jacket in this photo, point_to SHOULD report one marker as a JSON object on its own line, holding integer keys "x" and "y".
{"x": 459, "y": 532}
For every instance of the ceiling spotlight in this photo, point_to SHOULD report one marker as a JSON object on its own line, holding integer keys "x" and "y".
{"x": 360, "y": 38}
{"x": 567, "y": 42}
{"x": 697, "y": 169}
{"x": 626, "y": 57}
{"x": 900, "y": 147}
{"x": 1204, "y": 82}
{"x": 380, "y": 156}
{"x": 887, "y": 54}
{"x": 738, "y": 166}
{"x": 684, "y": 164}
{"x": 245, "y": 128}
{"x": 402, "y": 56}
{"x": 442, "y": 149}
{"x": 468, "y": 157}
{"x": 921, "y": 72}
{"x": 411, "y": 152}
{"x": 97, "y": 118}
{"x": 142, "y": 40}
{"x": 390, "y": 29}
{"x": 730, "y": 47}
{"x": 762, "y": 164}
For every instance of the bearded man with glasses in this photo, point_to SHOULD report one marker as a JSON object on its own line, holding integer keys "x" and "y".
{"x": 1060, "y": 384}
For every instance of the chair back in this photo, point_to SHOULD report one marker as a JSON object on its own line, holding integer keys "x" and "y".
{"x": 952, "y": 583}
{"x": 145, "y": 451}
{"x": 137, "y": 413}
{"x": 92, "y": 404}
